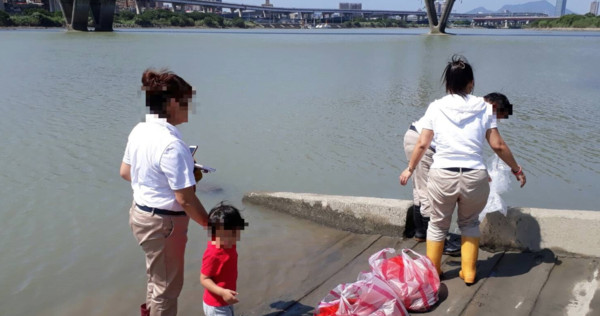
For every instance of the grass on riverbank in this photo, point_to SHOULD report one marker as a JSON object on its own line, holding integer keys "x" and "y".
{"x": 586, "y": 21}
{"x": 32, "y": 17}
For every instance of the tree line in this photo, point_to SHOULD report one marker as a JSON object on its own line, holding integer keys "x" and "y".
{"x": 588, "y": 20}
{"x": 37, "y": 17}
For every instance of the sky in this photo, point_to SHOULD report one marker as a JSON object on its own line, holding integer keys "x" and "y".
{"x": 577, "y": 6}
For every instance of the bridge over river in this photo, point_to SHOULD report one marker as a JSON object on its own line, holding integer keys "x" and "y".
{"x": 76, "y": 12}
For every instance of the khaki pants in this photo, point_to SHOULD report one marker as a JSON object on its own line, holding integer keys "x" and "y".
{"x": 447, "y": 189}
{"x": 421, "y": 172}
{"x": 163, "y": 240}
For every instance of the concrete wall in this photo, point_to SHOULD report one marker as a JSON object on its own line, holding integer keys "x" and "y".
{"x": 356, "y": 214}
{"x": 563, "y": 231}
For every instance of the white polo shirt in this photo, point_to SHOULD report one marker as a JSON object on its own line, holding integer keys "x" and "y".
{"x": 459, "y": 127}
{"x": 160, "y": 163}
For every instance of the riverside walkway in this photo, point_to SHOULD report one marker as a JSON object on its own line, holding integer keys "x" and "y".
{"x": 537, "y": 282}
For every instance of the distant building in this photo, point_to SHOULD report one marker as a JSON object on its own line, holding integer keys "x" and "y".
{"x": 561, "y": 6}
{"x": 350, "y": 6}
{"x": 125, "y": 5}
{"x": 438, "y": 6}
{"x": 51, "y": 5}
{"x": 267, "y": 4}
{"x": 594, "y": 7}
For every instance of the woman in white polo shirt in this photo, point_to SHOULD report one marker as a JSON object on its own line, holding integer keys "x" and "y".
{"x": 459, "y": 123}
{"x": 160, "y": 168}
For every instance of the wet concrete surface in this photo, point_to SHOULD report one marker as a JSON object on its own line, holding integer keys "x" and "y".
{"x": 508, "y": 283}
{"x": 533, "y": 280}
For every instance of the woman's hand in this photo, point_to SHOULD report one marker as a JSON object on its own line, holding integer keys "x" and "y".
{"x": 405, "y": 176}
{"x": 197, "y": 174}
{"x": 520, "y": 175}
{"x": 521, "y": 178}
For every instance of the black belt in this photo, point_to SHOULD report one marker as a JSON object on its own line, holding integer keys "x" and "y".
{"x": 159, "y": 211}
{"x": 413, "y": 128}
{"x": 459, "y": 169}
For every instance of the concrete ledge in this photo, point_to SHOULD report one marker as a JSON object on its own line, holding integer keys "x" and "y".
{"x": 364, "y": 215}
{"x": 563, "y": 231}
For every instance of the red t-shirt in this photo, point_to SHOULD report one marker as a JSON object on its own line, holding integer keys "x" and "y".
{"x": 220, "y": 264}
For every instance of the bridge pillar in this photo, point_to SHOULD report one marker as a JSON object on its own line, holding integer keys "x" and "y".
{"x": 81, "y": 11}
{"x": 76, "y": 14}
{"x": 103, "y": 12}
{"x": 435, "y": 26}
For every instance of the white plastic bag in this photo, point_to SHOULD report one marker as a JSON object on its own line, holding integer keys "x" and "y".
{"x": 501, "y": 178}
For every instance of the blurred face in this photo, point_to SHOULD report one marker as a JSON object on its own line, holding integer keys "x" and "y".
{"x": 178, "y": 110}
{"x": 470, "y": 87}
{"x": 226, "y": 238}
{"x": 500, "y": 113}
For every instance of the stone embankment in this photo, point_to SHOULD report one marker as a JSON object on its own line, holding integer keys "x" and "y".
{"x": 567, "y": 232}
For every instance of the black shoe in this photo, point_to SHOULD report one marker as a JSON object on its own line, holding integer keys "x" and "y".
{"x": 452, "y": 245}
{"x": 409, "y": 224}
{"x": 420, "y": 230}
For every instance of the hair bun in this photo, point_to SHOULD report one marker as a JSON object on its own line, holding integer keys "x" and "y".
{"x": 151, "y": 80}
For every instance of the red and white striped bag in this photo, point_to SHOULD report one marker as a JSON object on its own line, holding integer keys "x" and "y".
{"x": 410, "y": 275}
{"x": 368, "y": 296}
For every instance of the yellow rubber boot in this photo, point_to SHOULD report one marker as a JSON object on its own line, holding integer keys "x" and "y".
{"x": 469, "y": 249}
{"x": 434, "y": 253}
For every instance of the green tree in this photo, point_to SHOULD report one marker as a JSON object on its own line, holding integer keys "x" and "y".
{"x": 125, "y": 16}
{"x": 45, "y": 20}
{"x": 238, "y": 22}
{"x": 24, "y": 20}
{"x": 197, "y": 16}
{"x": 32, "y": 11}
{"x": 143, "y": 21}
{"x": 5, "y": 19}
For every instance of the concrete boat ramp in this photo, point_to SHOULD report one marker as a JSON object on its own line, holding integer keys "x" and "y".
{"x": 519, "y": 271}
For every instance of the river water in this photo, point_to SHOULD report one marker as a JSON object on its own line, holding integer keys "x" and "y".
{"x": 320, "y": 111}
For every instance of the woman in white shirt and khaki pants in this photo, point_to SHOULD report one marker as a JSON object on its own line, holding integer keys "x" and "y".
{"x": 459, "y": 123}
{"x": 160, "y": 168}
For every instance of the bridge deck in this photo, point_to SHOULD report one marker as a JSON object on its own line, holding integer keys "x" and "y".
{"x": 510, "y": 283}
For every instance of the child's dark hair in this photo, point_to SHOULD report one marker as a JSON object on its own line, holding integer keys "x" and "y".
{"x": 225, "y": 216}
{"x": 502, "y": 105}
{"x": 457, "y": 75}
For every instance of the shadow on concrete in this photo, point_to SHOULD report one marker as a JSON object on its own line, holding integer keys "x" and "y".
{"x": 515, "y": 231}
{"x": 502, "y": 265}
{"x": 409, "y": 224}
{"x": 442, "y": 296}
{"x": 290, "y": 308}
{"x": 515, "y": 264}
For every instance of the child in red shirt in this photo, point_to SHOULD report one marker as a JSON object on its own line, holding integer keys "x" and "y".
{"x": 218, "y": 274}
